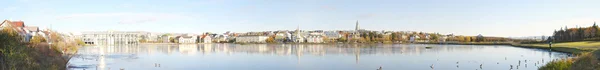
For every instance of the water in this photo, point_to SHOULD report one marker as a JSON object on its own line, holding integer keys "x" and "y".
{"x": 309, "y": 57}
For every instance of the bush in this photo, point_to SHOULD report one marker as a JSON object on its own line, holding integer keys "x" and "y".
{"x": 586, "y": 61}
{"x": 564, "y": 64}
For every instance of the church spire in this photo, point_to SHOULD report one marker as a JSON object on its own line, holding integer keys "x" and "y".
{"x": 356, "y": 28}
{"x": 298, "y": 28}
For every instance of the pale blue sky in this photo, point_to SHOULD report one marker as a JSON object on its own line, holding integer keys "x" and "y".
{"x": 463, "y": 17}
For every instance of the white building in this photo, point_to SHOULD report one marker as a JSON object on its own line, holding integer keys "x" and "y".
{"x": 188, "y": 39}
{"x": 206, "y": 39}
{"x": 298, "y": 37}
{"x": 112, "y": 37}
{"x": 251, "y": 39}
{"x": 314, "y": 39}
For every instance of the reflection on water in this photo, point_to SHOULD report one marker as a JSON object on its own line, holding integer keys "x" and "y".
{"x": 308, "y": 57}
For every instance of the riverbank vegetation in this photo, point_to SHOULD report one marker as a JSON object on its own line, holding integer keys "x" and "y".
{"x": 585, "y": 61}
{"x": 37, "y": 54}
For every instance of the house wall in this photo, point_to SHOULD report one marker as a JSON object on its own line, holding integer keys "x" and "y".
{"x": 251, "y": 39}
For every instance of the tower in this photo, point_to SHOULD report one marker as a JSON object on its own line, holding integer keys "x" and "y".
{"x": 356, "y": 28}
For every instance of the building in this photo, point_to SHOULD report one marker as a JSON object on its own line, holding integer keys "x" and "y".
{"x": 112, "y": 37}
{"x": 332, "y": 35}
{"x": 205, "y": 39}
{"x": 187, "y": 39}
{"x": 298, "y": 36}
{"x": 153, "y": 37}
{"x": 17, "y": 26}
{"x": 251, "y": 39}
{"x": 282, "y": 36}
{"x": 314, "y": 39}
{"x": 166, "y": 38}
{"x": 220, "y": 38}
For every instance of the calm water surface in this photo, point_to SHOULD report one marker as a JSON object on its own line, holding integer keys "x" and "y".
{"x": 309, "y": 57}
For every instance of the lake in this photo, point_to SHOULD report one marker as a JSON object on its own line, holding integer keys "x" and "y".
{"x": 310, "y": 57}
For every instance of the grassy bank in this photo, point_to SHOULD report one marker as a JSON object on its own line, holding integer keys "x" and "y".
{"x": 584, "y": 61}
{"x": 568, "y": 47}
{"x": 472, "y": 43}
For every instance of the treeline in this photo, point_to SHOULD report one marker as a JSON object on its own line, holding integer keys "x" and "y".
{"x": 577, "y": 34}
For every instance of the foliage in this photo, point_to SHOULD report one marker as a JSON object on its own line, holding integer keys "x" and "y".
{"x": 37, "y": 39}
{"x": 564, "y": 64}
{"x": 79, "y": 42}
{"x": 435, "y": 37}
{"x": 173, "y": 40}
{"x": 271, "y": 39}
{"x": 326, "y": 40}
{"x": 15, "y": 55}
{"x": 586, "y": 61}
{"x": 576, "y": 34}
{"x": 343, "y": 39}
{"x": 143, "y": 40}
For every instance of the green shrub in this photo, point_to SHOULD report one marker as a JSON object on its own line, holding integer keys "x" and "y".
{"x": 564, "y": 64}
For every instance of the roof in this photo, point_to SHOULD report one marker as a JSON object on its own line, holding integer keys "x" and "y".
{"x": 33, "y": 28}
{"x": 14, "y": 23}
{"x": 187, "y": 36}
{"x": 204, "y": 36}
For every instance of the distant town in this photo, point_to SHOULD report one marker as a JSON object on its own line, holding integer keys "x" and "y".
{"x": 356, "y": 35}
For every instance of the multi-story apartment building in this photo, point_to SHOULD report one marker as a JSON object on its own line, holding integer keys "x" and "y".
{"x": 113, "y": 37}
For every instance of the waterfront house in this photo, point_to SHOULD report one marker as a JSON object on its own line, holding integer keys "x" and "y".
{"x": 251, "y": 39}
{"x": 282, "y": 36}
{"x": 220, "y": 38}
{"x": 332, "y": 35}
{"x": 17, "y": 26}
{"x": 187, "y": 39}
{"x": 314, "y": 39}
{"x": 205, "y": 39}
{"x": 298, "y": 36}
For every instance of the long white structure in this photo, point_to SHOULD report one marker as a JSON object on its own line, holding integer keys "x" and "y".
{"x": 251, "y": 39}
{"x": 113, "y": 37}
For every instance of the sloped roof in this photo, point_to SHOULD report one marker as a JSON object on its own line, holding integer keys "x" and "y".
{"x": 32, "y": 28}
{"x": 13, "y": 23}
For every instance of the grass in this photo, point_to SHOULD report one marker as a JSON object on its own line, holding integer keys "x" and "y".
{"x": 585, "y": 61}
{"x": 564, "y": 64}
{"x": 568, "y": 47}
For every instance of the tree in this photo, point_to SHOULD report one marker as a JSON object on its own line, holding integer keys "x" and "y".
{"x": 394, "y": 36}
{"x": 467, "y": 39}
{"x": 54, "y": 37}
{"x": 435, "y": 37}
{"x": 79, "y": 42}
{"x": 37, "y": 39}
{"x": 143, "y": 40}
{"x": 173, "y": 40}
{"x": 271, "y": 39}
{"x": 343, "y": 39}
{"x": 325, "y": 39}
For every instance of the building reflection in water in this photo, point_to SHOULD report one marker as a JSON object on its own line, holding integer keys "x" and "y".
{"x": 297, "y": 50}
{"x": 281, "y": 49}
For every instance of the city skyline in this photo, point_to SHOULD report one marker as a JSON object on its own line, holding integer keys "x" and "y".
{"x": 509, "y": 18}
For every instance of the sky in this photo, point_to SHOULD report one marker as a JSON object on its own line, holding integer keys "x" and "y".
{"x": 506, "y": 18}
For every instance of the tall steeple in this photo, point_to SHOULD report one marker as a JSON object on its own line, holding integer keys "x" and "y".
{"x": 356, "y": 28}
{"x": 297, "y": 28}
